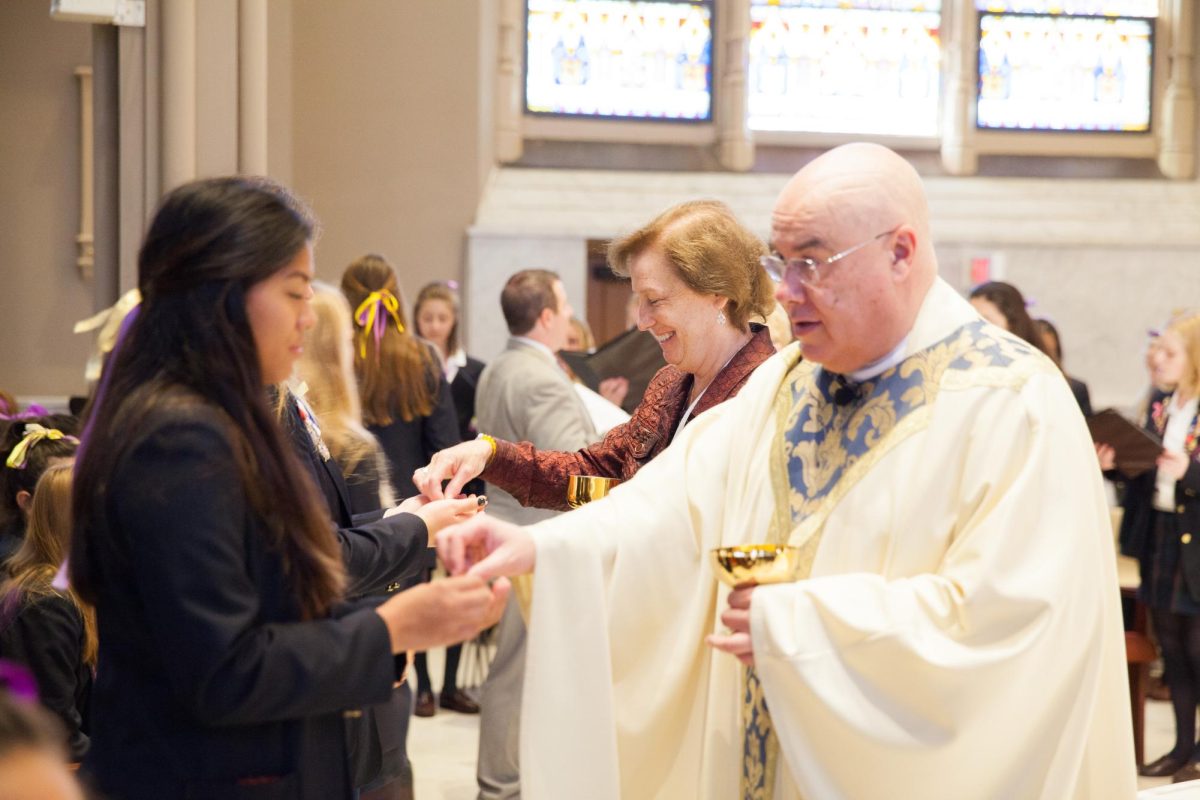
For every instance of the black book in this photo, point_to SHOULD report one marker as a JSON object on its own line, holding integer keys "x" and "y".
{"x": 633, "y": 355}
{"x": 1136, "y": 448}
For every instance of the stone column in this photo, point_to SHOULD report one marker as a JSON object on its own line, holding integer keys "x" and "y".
{"x": 1176, "y": 150}
{"x": 735, "y": 147}
{"x": 252, "y": 87}
{"x": 959, "y": 155}
{"x": 510, "y": 94}
{"x": 178, "y": 93}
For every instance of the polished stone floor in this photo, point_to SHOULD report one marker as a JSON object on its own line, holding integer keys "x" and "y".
{"x": 1160, "y": 736}
{"x": 443, "y": 747}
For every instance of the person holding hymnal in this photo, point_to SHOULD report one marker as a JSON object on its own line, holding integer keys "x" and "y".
{"x": 1161, "y": 513}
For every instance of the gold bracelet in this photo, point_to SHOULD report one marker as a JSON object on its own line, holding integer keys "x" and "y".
{"x": 490, "y": 440}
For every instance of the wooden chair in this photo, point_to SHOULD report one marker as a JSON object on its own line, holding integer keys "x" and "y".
{"x": 1139, "y": 653}
{"x": 1139, "y": 650}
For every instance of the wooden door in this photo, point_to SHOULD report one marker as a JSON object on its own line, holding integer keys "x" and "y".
{"x": 607, "y": 294}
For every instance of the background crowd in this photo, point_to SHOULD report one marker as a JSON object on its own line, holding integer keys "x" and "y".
{"x": 207, "y": 581}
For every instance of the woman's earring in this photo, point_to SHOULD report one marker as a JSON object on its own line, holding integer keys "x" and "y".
{"x": 720, "y": 317}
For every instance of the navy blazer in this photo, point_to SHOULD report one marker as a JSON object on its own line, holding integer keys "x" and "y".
{"x": 376, "y": 739}
{"x": 1137, "y": 524}
{"x": 208, "y": 683}
{"x": 1135, "y": 536}
{"x": 462, "y": 391}
{"x": 46, "y": 634}
{"x": 380, "y": 554}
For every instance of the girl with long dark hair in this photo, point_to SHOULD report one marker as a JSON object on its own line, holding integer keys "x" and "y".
{"x": 226, "y": 655}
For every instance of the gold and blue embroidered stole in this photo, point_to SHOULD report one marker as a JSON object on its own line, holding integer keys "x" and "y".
{"x": 834, "y": 432}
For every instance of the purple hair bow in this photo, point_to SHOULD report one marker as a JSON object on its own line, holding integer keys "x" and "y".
{"x": 31, "y": 411}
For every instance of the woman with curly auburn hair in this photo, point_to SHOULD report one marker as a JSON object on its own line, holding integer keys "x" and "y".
{"x": 702, "y": 293}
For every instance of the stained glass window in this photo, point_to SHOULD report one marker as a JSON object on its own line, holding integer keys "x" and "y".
{"x": 1083, "y": 8}
{"x": 871, "y": 66}
{"x": 615, "y": 58}
{"x": 1064, "y": 72}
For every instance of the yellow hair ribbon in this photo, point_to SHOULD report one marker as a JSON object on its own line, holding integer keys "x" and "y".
{"x": 34, "y": 433}
{"x": 367, "y": 315}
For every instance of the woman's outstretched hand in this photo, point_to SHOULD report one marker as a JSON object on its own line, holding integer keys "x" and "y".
{"x": 457, "y": 464}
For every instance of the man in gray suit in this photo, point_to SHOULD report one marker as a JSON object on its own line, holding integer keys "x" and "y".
{"x": 523, "y": 396}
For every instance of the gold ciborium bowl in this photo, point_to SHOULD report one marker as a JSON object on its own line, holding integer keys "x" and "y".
{"x": 583, "y": 489}
{"x": 755, "y": 563}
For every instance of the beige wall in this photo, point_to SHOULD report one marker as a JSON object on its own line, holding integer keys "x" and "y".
{"x": 216, "y": 87}
{"x": 379, "y": 113}
{"x": 279, "y": 90}
{"x": 41, "y": 292}
{"x": 386, "y": 128}
{"x": 376, "y": 115}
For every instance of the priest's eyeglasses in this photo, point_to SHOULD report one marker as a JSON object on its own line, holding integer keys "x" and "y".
{"x": 807, "y": 271}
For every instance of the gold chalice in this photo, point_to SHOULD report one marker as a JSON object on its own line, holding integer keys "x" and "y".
{"x": 755, "y": 563}
{"x": 583, "y": 489}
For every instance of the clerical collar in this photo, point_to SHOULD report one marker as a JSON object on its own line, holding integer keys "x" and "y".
{"x": 535, "y": 345}
{"x": 881, "y": 366}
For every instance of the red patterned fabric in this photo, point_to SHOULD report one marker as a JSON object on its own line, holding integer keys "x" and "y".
{"x": 538, "y": 478}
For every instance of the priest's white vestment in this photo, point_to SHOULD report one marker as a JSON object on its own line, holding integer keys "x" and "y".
{"x": 958, "y": 634}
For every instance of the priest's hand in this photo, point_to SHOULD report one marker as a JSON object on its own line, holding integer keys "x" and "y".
{"x": 1107, "y": 456}
{"x": 1173, "y": 463}
{"x": 457, "y": 464}
{"x": 737, "y": 618}
{"x": 487, "y": 547}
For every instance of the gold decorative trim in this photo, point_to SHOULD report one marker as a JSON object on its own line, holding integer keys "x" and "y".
{"x": 522, "y": 589}
{"x": 781, "y": 520}
{"x": 969, "y": 358}
{"x": 758, "y": 741}
{"x": 806, "y": 535}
